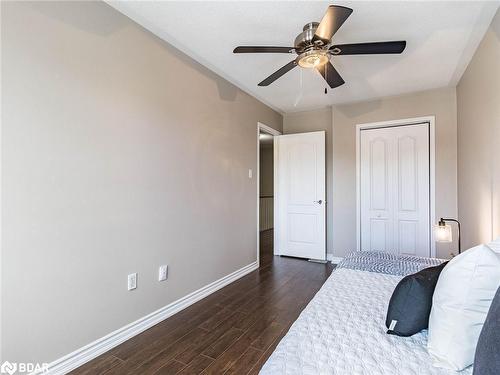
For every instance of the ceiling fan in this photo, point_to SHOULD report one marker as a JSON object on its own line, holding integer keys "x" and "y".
{"x": 314, "y": 48}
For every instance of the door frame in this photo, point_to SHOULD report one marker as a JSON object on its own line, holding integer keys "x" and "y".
{"x": 431, "y": 120}
{"x": 266, "y": 129}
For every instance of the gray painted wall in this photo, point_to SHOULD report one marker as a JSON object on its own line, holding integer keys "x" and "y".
{"x": 478, "y": 96}
{"x": 119, "y": 154}
{"x": 266, "y": 170}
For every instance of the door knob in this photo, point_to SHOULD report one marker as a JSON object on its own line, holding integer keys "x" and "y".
{"x": 318, "y": 202}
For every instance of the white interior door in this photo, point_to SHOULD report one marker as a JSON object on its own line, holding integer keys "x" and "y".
{"x": 394, "y": 189}
{"x": 300, "y": 188}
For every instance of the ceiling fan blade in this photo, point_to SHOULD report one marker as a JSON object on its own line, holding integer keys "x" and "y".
{"x": 334, "y": 17}
{"x": 277, "y": 74}
{"x": 330, "y": 74}
{"x": 368, "y": 48}
{"x": 263, "y": 49}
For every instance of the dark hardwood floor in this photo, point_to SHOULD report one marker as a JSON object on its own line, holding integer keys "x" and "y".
{"x": 232, "y": 331}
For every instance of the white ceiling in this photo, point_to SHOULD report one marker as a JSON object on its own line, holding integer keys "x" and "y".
{"x": 441, "y": 39}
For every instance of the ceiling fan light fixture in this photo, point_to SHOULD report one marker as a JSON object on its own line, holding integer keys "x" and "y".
{"x": 313, "y": 59}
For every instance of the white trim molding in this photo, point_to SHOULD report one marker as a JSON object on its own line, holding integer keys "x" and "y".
{"x": 332, "y": 259}
{"x": 83, "y": 355}
{"x": 431, "y": 120}
{"x": 267, "y": 129}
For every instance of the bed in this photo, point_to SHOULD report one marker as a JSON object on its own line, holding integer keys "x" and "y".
{"x": 342, "y": 330}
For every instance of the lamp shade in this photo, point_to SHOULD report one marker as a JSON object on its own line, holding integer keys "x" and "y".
{"x": 442, "y": 233}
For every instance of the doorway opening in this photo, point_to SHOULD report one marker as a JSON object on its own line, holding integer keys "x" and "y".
{"x": 265, "y": 193}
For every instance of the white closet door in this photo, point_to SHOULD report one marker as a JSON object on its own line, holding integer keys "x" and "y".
{"x": 412, "y": 194}
{"x": 376, "y": 176}
{"x": 301, "y": 195}
{"x": 394, "y": 190}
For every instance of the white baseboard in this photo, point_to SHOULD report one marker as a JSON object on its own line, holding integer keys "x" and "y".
{"x": 334, "y": 260}
{"x": 81, "y": 356}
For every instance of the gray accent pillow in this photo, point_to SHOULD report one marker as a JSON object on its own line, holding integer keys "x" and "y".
{"x": 411, "y": 302}
{"x": 487, "y": 358}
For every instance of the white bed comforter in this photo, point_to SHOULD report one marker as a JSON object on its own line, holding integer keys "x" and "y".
{"x": 342, "y": 331}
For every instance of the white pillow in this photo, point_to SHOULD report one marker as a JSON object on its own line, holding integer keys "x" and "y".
{"x": 460, "y": 303}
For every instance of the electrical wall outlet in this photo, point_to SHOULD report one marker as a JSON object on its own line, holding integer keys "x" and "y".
{"x": 132, "y": 281}
{"x": 163, "y": 273}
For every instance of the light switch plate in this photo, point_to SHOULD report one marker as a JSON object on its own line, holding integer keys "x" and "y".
{"x": 163, "y": 273}
{"x": 132, "y": 281}
{"x": 250, "y": 173}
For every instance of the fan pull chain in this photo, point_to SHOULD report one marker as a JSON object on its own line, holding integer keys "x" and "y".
{"x": 326, "y": 76}
{"x": 301, "y": 75}
{"x": 299, "y": 97}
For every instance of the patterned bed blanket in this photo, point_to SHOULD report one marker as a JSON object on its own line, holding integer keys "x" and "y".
{"x": 390, "y": 264}
{"x": 342, "y": 330}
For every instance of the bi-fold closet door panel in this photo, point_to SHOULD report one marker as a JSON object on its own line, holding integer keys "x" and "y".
{"x": 395, "y": 190}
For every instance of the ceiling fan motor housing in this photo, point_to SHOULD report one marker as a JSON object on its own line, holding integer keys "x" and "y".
{"x": 303, "y": 41}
